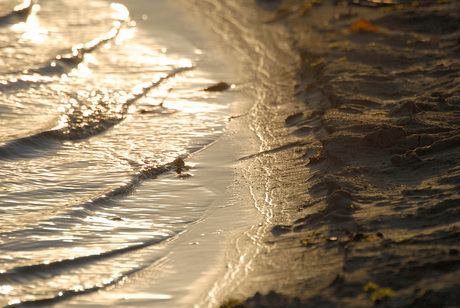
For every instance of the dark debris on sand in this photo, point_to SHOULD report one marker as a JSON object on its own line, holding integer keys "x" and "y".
{"x": 384, "y": 103}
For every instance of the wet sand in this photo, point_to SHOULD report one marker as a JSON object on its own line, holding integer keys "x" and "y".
{"x": 358, "y": 169}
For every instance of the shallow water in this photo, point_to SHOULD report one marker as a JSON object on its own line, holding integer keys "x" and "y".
{"x": 96, "y": 102}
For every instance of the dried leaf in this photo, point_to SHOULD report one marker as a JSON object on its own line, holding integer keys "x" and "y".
{"x": 316, "y": 158}
{"x": 363, "y": 25}
{"x": 371, "y": 286}
{"x": 382, "y": 294}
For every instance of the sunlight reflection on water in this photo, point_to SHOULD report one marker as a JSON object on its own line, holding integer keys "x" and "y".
{"x": 92, "y": 111}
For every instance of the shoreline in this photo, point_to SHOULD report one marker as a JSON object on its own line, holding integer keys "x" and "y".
{"x": 186, "y": 266}
{"x": 264, "y": 82}
{"x": 357, "y": 174}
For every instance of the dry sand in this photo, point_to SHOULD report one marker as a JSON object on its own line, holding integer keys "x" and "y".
{"x": 358, "y": 114}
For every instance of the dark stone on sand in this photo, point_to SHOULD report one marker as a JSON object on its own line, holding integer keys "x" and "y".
{"x": 178, "y": 162}
{"x": 221, "y": 86}
{"x": 180, "y": 166}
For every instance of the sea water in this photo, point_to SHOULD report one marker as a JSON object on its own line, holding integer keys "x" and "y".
{"x": 96, "y": 102}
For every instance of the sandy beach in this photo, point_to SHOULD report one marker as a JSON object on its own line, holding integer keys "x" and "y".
{"x": 229, "y": 153}
{"x": 356, "y": 108}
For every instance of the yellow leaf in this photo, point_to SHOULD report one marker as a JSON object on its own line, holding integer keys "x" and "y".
{"x": 371, "y": 286}
{"x": 333, "y": 45}
{"x": 382, "y": 294}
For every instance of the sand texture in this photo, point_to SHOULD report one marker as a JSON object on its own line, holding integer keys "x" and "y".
{"x": 363, "y": 159}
